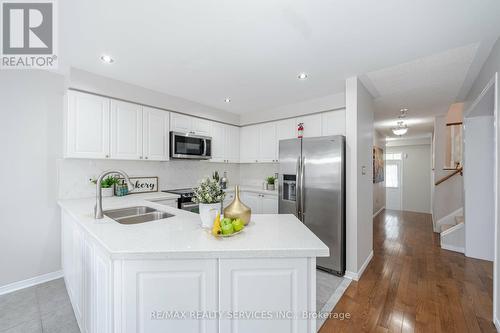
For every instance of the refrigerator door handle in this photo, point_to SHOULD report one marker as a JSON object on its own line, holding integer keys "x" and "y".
{"x": 297, "y": 195}
{"x": 302, "y": 195}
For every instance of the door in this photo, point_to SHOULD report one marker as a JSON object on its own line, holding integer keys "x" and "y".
{"x": 126, "y": 131}
{"x": 156, "y": 126}
{"x": 289, "y": 157}
{"x": 252, "y": 200}
{"x": 218, "y": 134}
{"x": 267, "y": 142}
{"x": 87, "y": 126}
{"x": 393, "y": 184}
{"x": 269, "y": 204}
{"x": 322, "y": 203}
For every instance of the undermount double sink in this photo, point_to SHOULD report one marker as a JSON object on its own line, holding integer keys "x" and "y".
{"x": 135, "y": 215}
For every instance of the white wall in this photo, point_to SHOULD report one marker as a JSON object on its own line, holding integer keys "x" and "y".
{"x": 359, "y": 176}
{"x": 447, "y": 196}
{"x": 325, "y": 103}
{"x": 416, "y": 177}
{"x": 30, "y": 143}
{"x": 478, "y": 187}
{"x": 379, "y": 188}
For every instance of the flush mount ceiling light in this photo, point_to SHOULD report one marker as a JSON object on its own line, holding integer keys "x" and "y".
{"x": 302, "y": 76}
{"x": 227, "y": 100}
{"x": 401, "y": 129}
{"x": 107, "y": 59}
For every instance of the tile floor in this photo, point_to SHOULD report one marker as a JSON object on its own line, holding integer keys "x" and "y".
{"x": 46, "y": 307}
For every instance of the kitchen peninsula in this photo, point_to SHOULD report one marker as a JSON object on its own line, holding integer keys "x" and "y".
{"x": 170, "y": 275}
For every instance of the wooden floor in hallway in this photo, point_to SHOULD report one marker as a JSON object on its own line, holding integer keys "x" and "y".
{"x": 412, "y": 285}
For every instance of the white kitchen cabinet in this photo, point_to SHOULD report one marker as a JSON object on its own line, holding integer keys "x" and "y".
{"x": 232, "y": 144}
{"x": 249, "y": 144}
{"x": 267, "y": 142}
{"x": 154, "y": 286}
{"x": 225, "y": 143}
{"x": 155, "y": 134}
{"x": 285, "y": 129}
{"x": 265, "y": 285}
{"x": 312, "y": 125}
{"x": 187, "y": 124}
{"x": 87, "y": 126}
{"x": 333, "y": 123}
{"x": 260, "y": 203}
{"x": 126, "y": 131}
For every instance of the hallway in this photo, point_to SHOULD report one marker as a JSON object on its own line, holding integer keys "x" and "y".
{"x": 413, "y": 285}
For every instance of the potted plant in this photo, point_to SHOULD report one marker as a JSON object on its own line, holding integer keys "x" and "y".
{"x": 270, "y": 183}
{"x": 209, "y": 196}
{"x": 107, "y": 185}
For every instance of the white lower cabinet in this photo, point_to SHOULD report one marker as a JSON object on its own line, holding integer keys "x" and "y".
{"x": 266, "y": 287}
{"x": 260, "y": 203}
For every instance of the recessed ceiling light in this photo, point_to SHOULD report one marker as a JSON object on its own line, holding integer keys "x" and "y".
{"x": 227, "y": 100}
{"x": 302, "y": 76}
{"x": 107, "y": 59}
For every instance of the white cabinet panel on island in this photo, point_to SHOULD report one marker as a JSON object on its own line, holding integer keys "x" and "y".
{"x": 87, "y": 126}
{"x": 260, "y": 203}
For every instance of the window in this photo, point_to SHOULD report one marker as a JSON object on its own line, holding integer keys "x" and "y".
{"x": 393, "y": 157}
{"x": 391, "y": 175}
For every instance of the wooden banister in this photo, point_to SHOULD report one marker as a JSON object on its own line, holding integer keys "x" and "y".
{"x": 445, "y": 178}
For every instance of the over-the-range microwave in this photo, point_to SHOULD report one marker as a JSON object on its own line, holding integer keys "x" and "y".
{"x": 190, "y": 146}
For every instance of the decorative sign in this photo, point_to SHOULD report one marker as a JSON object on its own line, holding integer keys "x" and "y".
{"x": 142, "y": 184}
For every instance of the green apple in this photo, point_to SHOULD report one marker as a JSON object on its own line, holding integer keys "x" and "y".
{"x": 227, "y": 229}
{"x": 238, "y": 225}
{"x": 225, "y": 221}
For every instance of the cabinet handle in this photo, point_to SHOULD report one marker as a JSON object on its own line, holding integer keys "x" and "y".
{"x": 140, "y": 157}
{"x": 146, "y": 157}
{"x": 256, "y": 161}
{"x": 107, "y": 156}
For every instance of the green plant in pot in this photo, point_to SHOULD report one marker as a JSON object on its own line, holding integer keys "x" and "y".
{"x": 270, "y": 182}
{"x": 107, "y": 185}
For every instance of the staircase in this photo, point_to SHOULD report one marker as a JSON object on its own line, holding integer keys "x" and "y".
{"x": 452, "y": 232}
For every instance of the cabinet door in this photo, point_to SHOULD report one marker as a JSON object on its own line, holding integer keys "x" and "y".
{"x": 269, "y": 204}
{"x": 87, "y": 126}
{"x": 180, "y": 123}
{"x": 267, "y": 142}
{"x": 266, "y": 284}
{"x": 155, "y": 134}
{"x": 218, "y": 134}
{"x": 312, "y": 125}
{"x": 249, "y": 144}
{"x": 285, "y": 129}
{"x": 200, "y": 126}
{"x": 158, "y": 286}
{"x": 232, "y": 144}
{"x": 252, "y": 200}
{"x": 126, "y": 131}
{"x": 333, "y": 123}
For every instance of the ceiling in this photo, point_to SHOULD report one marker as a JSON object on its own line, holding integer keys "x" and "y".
{"x": 252, "y": 51}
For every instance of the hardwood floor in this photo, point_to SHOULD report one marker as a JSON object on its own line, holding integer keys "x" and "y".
{"x": 412, "y": 285}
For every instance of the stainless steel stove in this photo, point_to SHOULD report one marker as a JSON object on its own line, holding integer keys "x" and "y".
{"x": 185, "y": 201}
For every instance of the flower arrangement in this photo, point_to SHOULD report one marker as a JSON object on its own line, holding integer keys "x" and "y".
{"x": 208, "y": 192}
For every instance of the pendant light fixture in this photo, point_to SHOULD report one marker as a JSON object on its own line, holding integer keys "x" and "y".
{"x": 401, "y": 128}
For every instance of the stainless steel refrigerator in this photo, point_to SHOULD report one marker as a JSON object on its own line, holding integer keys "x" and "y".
{"x": 312, "y": 187}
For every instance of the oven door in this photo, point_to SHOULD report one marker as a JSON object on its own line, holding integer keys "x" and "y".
{"x": 191, "y": 207}
{"x": 185, "y": 145}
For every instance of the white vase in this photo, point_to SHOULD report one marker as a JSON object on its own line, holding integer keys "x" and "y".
{"x": 208, "y": 212}
{"x": 107, "y": 192}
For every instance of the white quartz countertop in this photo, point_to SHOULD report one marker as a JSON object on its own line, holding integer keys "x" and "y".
{"x": 181, "y": 236}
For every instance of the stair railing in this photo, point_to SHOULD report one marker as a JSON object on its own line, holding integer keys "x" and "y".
{"x": 458, "y": 170}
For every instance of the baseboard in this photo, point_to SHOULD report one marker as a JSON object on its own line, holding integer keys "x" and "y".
{"x": 357, "y": 276}
{"x": 30, "y": 282}
{"x": 378, "y": 211}
{"x": 453, "y": 248}
{"x": 497, "y": 324}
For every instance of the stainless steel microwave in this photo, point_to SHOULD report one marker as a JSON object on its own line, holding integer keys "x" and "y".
{"x": 190, "y": 146}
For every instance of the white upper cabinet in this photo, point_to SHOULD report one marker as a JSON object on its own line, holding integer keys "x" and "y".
{"x": 218, "y": 134}
{"x": 232, "y": 144}
{"x": 333, "y": 123}
{"x": 156, "y": 126}
{"x": 87, "y": 126}
{"x": 312, "y": 125}
{"x": 285, "y": 129}
{"x": 126, "y": 130}
{"x": 249, "y": 144}
{"x": 187, "y": 124}
{"x": 267, "y": 142}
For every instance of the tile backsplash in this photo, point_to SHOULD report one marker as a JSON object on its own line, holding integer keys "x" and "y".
{"x": 74, "y": 174}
